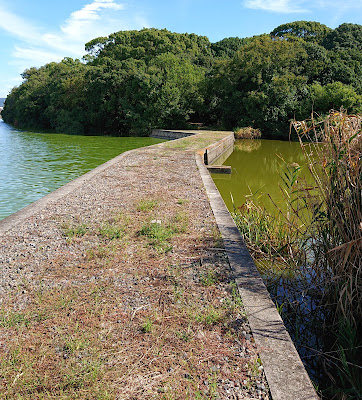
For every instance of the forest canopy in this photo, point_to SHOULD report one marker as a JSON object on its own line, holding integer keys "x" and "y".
{"x": 133, "y": 81}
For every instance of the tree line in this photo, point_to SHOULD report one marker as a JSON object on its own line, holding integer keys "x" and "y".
{"x": 133, "y": 81}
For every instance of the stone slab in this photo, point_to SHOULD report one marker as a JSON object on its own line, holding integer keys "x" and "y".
{"x": 219, "y": 169}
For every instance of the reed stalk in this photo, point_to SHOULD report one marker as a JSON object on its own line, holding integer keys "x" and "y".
{"x": 335, "y": 205}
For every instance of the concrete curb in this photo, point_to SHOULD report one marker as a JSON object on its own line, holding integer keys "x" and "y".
{"x": 284, "y": 370}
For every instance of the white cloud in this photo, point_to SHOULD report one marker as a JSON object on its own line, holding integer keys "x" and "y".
{"x": 34, "y": 56}
{"x": 17, "y": 26}
{"x": 300, "y": 6}
{"x": 83, "y": 18}
{"x": 36, "y": 47}
{"x": 277, "y": 6}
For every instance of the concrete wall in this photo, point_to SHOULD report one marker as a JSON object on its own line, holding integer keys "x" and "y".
{"x": 214, "y": 152}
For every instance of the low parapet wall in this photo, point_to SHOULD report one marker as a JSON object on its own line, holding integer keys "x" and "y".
{"x": 216, "y": 150}
{"x": 212, "y": 153}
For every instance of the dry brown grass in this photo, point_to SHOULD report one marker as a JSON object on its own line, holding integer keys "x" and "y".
{"x": 129, "y": 320}
{"x": 247, "y": 133}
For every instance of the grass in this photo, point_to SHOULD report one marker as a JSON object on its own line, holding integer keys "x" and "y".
{"x": 182, "y": 201}
{"x": 146, "y": 205}
{"x": 91, "y": 345}
{"x": 13, "y": 319}
{"x": 108, "y": 317}
{"x": 111, "y": 231}
{"x": 208, "y": 279}
{"x": 147, "y": 326}
{"x": 335, "y": 205}
{"x": 160, "y": 232}
{"x": 71, "y": 231}
{"x": 268, "y": 235}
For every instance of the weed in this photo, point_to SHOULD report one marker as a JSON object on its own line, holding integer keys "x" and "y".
{"x": 318, "y": 237}
{"x": 247, "y": 133}
{"x": 185, "y": 335}
{"x": 178, "y": 291}
{"x": 147, "y": 326}
{"x": 111, "y": 231}
{"x": 210, "y": 316}
{"x": 179, "y": 222}
{"x": 208, "y": 279}
{"x": 213, "y": 384}
{"x": 234, "y": 303}
{"x": 159, "y": 232}
{"x": 98, "y": 252}
{"x": 279, "y": 307}
{"x": 71, "y": 231}
{"x": 182, "y": 201}
{"x": 12, "y": 319}
{"x": 146, "y": 205}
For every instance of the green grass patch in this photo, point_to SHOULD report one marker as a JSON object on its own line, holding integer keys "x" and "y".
{"x": 209, "y": 278}
{"x": 71, "y": 231}
{"x": 182, "y": 201}
{"x": 111, "y": 231}
{"x": 146, "y": 205}
{"x": 159, "y": 232}
{"x": 14, "y": 319}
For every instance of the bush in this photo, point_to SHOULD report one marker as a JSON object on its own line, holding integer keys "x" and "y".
{"x": 247, "y": 133}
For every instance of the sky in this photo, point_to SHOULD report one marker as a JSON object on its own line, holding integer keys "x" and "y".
{"x": 33, "y": 33}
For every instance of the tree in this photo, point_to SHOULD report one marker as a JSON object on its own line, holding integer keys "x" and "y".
{"x": 133, "y": 81}
{"x": 261, "y": 85}
{"x": 226, "y": 48}
{"x": 333, "y": 96}
{"x": 346, "y": 36}
{"x": 309, "y": 31}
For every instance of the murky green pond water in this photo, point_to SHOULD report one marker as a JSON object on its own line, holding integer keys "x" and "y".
{"x": 257, "y": 166}
{"x": 35, "y": 164}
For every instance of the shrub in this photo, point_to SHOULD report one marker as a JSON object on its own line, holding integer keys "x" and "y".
{"x": 247, "y": 133}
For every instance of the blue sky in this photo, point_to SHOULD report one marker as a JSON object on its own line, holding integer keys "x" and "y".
{"x": 35, "y": 32}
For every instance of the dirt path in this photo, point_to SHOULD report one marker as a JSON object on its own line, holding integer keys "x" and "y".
{"x": 121, "y": 290}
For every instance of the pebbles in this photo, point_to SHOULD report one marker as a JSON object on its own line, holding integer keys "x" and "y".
{"x": 37, "y": 254}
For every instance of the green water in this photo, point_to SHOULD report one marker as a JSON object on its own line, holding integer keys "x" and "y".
{"x": 256, "y": 169}
{"x": 35, "y": 164}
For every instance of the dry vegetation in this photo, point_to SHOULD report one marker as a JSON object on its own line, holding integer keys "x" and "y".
{"x": 335, "y": 204}
{"x": 247, "y": 133}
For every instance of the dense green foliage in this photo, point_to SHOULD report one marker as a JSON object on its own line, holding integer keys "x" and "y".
{"x": 133, "y": 81}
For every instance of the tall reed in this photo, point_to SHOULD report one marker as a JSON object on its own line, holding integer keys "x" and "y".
{"x": 335, "y": 205}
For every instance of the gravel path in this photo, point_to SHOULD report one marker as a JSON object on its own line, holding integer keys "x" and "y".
{"x": 142, "y": 233}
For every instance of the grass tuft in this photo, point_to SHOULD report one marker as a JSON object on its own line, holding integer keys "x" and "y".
{"x": 147, "y": 205}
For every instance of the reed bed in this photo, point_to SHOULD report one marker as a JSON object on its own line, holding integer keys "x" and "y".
{"x": 335, "y": 205}
{"x": 319, "y": 236}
